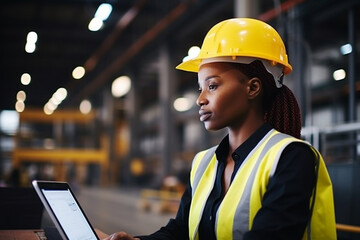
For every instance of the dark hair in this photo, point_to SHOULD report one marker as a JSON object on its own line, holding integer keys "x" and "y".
{"x": 281, "y": 108}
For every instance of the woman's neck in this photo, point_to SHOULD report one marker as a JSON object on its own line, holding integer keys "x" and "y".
{"x": 239, "y": 136}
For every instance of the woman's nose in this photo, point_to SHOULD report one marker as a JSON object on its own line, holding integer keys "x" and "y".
{"x": 201, "y": 100}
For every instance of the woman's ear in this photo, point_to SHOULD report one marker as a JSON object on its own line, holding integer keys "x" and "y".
{"x": 254, "y": 87}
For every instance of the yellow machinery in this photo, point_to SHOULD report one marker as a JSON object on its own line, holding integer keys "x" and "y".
{"x": 59, "y": 156}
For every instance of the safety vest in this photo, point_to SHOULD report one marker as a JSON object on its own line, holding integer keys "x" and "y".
{"x": 242, "y": 201}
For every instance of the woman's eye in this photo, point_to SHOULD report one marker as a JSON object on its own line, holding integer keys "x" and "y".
{"x": 212, "y": 86}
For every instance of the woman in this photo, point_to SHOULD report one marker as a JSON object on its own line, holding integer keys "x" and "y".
{"x": 261, "y": 181}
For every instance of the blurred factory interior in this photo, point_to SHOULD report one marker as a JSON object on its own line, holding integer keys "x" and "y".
{"x": 102, "y": 105}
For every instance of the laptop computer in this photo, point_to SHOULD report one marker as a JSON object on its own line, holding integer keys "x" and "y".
{"x": 64, "y": 210}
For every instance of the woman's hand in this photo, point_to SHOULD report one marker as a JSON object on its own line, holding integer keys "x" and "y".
{"x": 120, "y": 236}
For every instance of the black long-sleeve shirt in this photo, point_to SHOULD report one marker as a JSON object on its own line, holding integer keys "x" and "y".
{"x": 285, "y": 206}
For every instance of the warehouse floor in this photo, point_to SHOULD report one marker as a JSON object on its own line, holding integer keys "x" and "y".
{"x": 115, "y": 209}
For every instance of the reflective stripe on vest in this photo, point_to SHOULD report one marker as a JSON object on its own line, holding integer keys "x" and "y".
{"x": 202, "y": 181}
{"x": 246, "y": 190}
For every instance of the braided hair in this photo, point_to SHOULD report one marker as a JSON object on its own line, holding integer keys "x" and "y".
{"x": 281, "y": 109}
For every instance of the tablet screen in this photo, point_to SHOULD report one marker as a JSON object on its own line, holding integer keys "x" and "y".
{"x": 69, "y": 214}
{"x": 64, "y": 210}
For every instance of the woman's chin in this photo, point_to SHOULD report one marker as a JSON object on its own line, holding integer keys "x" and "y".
{"x": 211, "y": 127}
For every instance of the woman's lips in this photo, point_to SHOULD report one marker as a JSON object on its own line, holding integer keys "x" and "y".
{"x": 204, "y": 115}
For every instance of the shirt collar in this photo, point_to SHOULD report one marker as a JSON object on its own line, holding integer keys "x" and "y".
{"x": 244, "y": 149}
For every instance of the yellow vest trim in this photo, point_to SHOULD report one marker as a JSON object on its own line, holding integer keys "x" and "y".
{"x": 201, "y": 191}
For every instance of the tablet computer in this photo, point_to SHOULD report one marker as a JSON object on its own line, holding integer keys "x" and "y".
{"x": 64, "y": 210}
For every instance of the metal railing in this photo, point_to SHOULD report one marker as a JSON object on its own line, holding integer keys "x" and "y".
{"x": 340, "y": 143}
{"x": 347, "y": 228}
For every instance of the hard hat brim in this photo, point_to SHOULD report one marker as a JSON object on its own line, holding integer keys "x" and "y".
{"x": 193, "y": 65}
{"x": 190, "y": 65}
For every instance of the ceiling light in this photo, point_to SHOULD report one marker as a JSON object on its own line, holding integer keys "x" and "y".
{"x": 25, "y": 79}
{"x": 182, "y": 104}
{"x": 61, "y": 94}
{"x": 85, "y": 106}
{"x": 21, "y": 96}
{"x": 20, "y": 106}
{"x": 103, "y": 11}
{"x": 51, "y": 106}
{"x": 30, "y": 47}
{"x": 346, "y": 49}
{"x": 193, "y": 52}
{"x": 95, "y": 24}
{"x": 78, "y": 72}
{"x": 32, "y": 37}
{"x": 121, "y": 86}
{"x": 54, "y": 100}
{"x": 339, "y": 74}
{"x": 48, "y": 110}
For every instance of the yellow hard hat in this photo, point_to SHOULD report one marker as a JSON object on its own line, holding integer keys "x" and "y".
{"x": 241, "y": 37}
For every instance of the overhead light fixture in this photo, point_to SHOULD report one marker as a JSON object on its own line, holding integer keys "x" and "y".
{"x": 339, "y": 74}
{"x": 32, "y": 37}
{"x": 103, "y": 11}
{"x": 85, "y": 106}
{"x": 60, "y": 94}
{"x": 25, "y": 79}
{"x": 31, "y": 40}
{"x": 192, "y": 53}
{"x": 95, "y": 24}
{"x": 55, "y": 100}
{"x": 78, "y": 72}
{"x": 20, "y": 106}
{"x": 21, "y": 96}
{"x": 346, "y": 49}
{"x": 49, "y": 108}
{"x": 102, "y": 14}
{"x": 30, "y": 47}
{"x": 20, "y": 101}
{"x": 121, "y": 86}
{"x": 185, "y": 103}
{"x": 182, "y": 104}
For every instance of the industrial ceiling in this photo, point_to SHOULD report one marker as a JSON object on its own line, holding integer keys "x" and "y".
{"x": 126, "y": 41}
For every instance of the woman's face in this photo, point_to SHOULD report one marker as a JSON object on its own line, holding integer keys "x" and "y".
{"x": 223, "y": 97}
